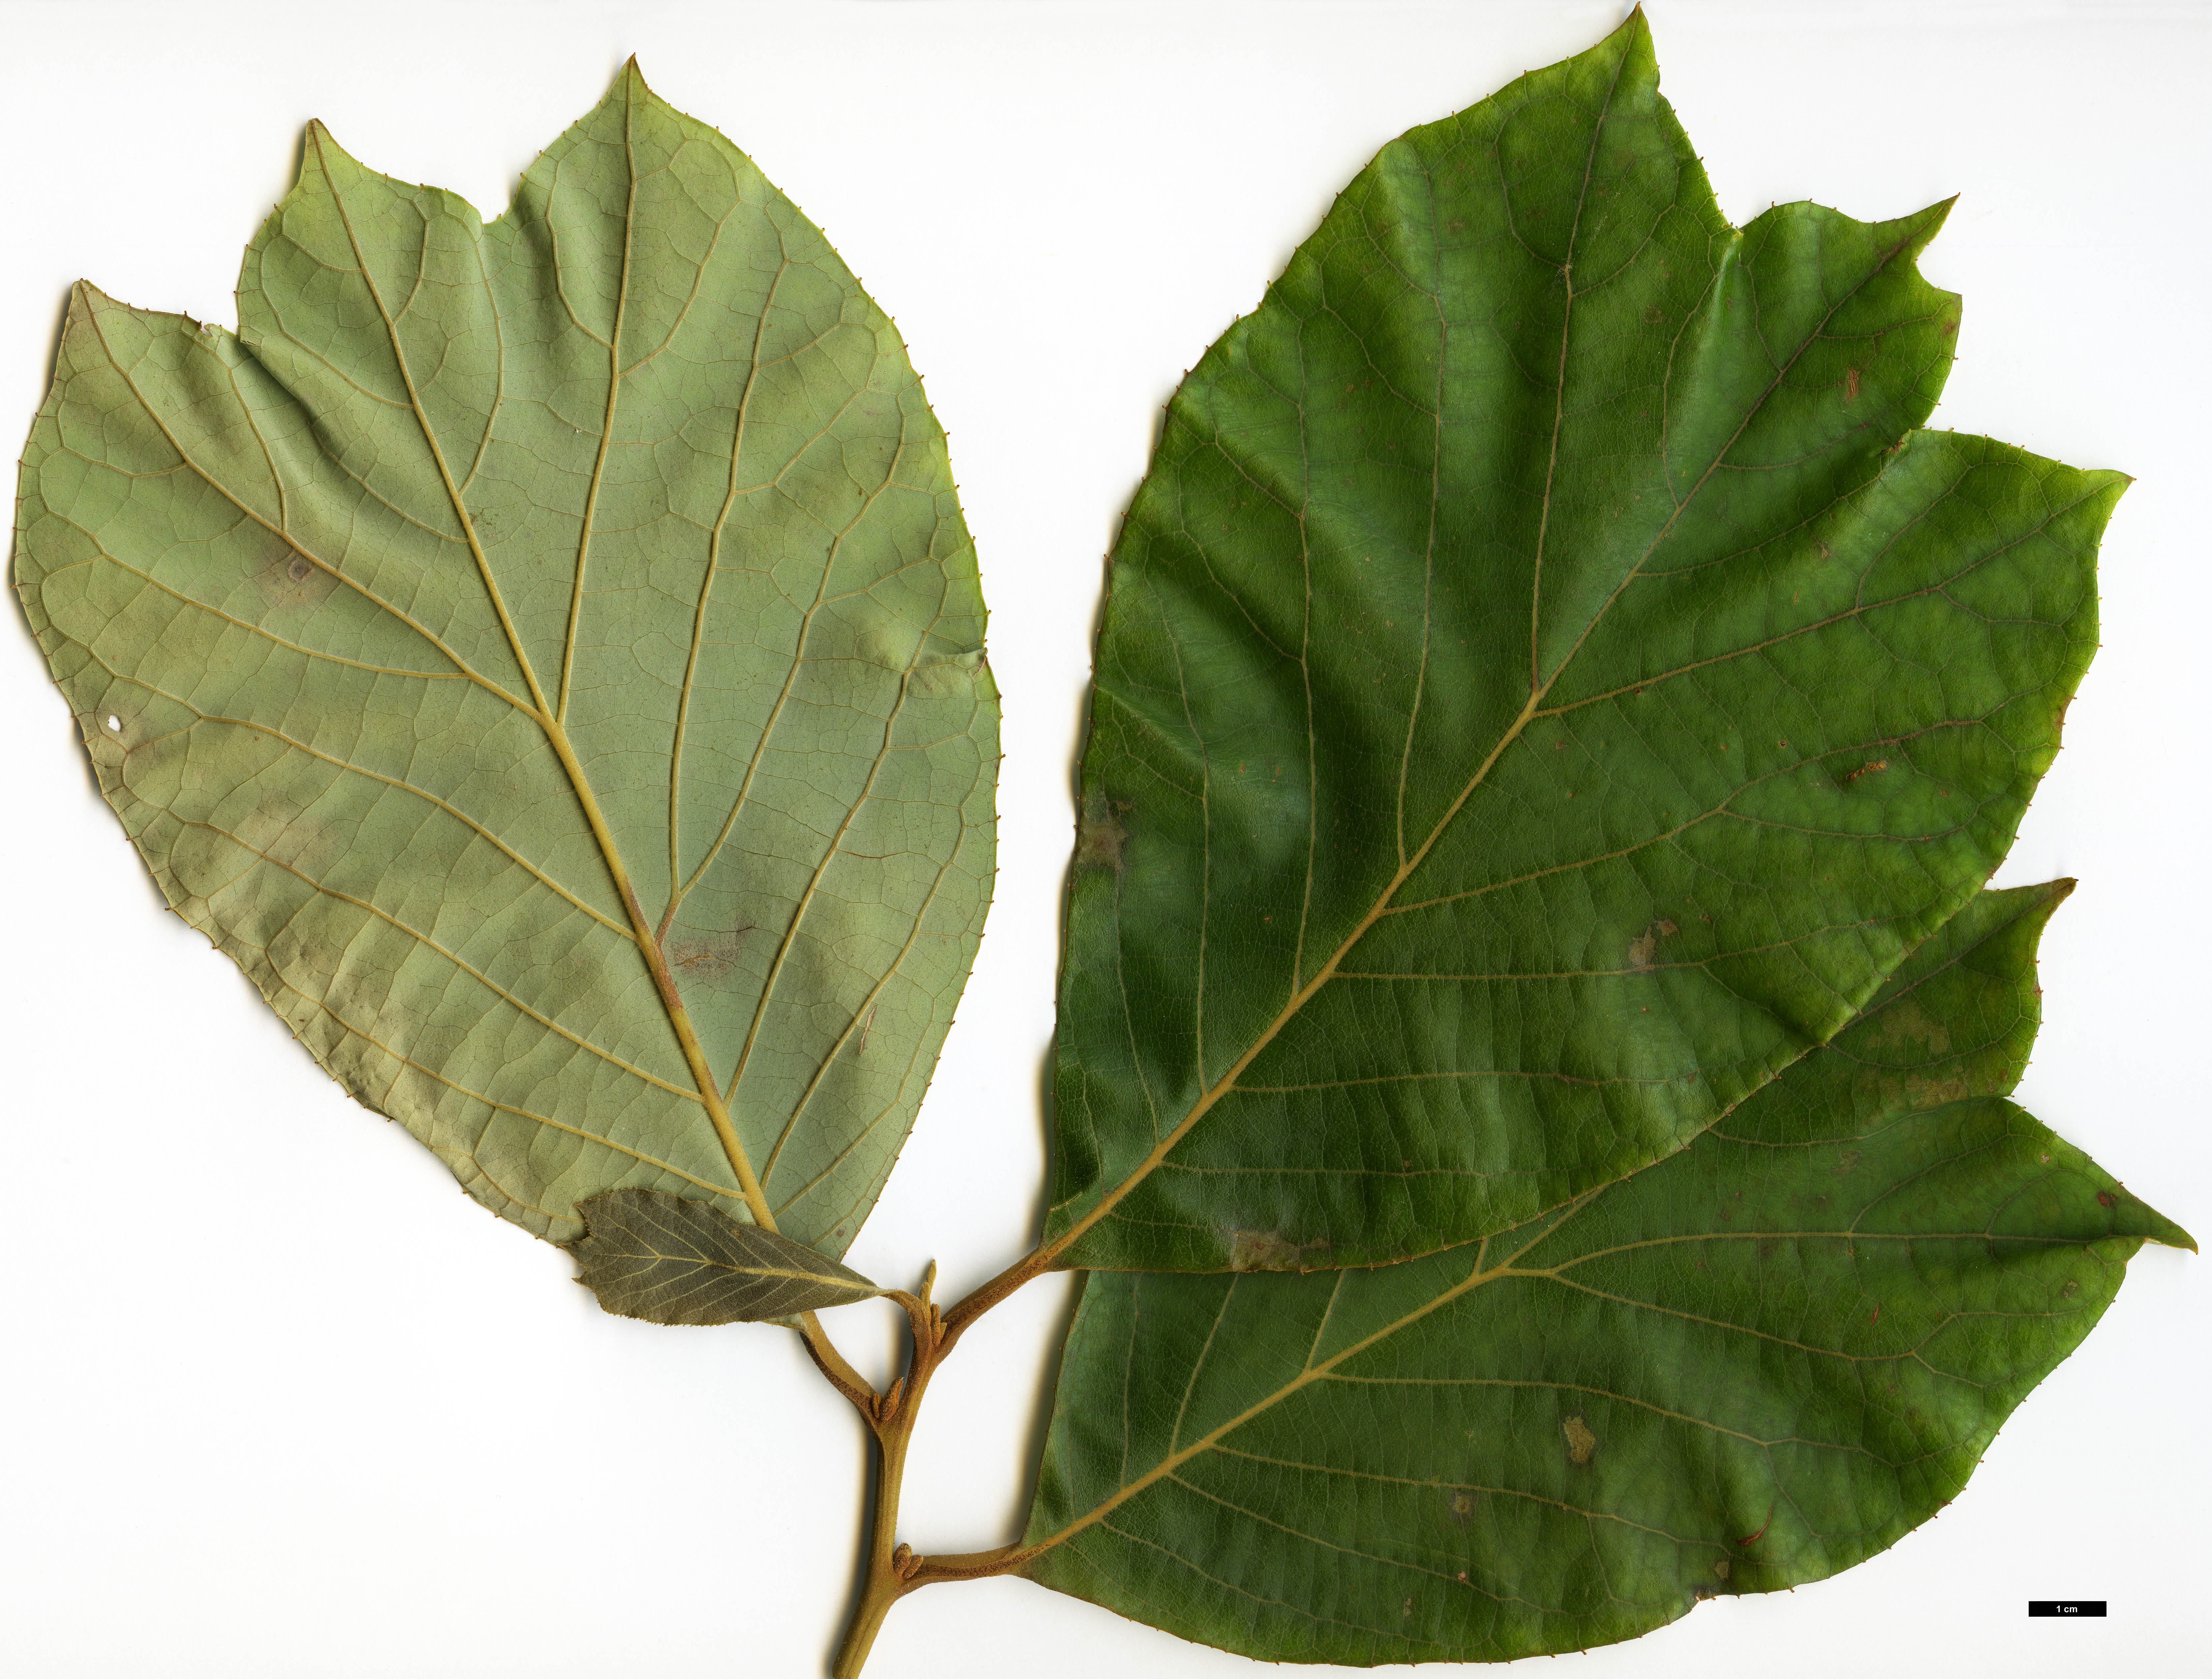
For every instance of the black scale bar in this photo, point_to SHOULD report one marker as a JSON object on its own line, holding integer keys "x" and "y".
{"x": 2058, "y": 1606}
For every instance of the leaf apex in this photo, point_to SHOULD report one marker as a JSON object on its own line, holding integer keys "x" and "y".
{"x": 319, "y": 146}
{"x": 630, "y": 81}
{"x": 1633, "y": 38}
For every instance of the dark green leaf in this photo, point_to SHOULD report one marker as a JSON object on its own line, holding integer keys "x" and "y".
{"x": 1547, "y": 685}
{"x": 547, "y": 656}
{"x": 1746, "y": 1367}
{"x": 668, "y": 1259}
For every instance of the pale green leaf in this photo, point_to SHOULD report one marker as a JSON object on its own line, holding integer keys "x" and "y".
{"x": 547, "y": 655}
{"x": 1744, "y": 1368}
{"x": 1547, "y": 684}
{"x": 670, "y": 1259}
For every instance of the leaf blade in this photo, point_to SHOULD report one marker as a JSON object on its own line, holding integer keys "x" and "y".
{"x": 380, "y": 594}
{"x": 668, "y": 1259}
{"x": 1677, "y": 634}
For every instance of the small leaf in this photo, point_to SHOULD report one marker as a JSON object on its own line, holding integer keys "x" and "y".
{"x": 1549, "y": 682}
{"x": 670, "y": 1259}
{"x": 1744, "y": 1368}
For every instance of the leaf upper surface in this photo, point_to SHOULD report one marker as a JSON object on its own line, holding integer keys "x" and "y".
{"x": 1547, "y": 684}
{"x": 1744, "y": 1368}
{"x": 547, "y": 655}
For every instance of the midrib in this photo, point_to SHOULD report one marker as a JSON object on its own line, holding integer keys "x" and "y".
{"x": 556, "y": 736}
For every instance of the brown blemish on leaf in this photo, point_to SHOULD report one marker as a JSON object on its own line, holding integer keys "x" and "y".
{"x": 1721, "y": 1569}
{"x": 1459, "y": 1506}
{"x": 2105, "y": 1198}
{"x": 1870, "y": 767}
{"x": 1645, "y": 944}
{"x": 1850, "y": 385}
{"x": 1926, "y": 1092}
{"x": 1905, "y": 1023}
{"x": 291, "y": 580}
{"x": 1581, "y": 1443}
{"x": 1100, "y": 834}
{"x": 706, "y": 956}
{"x": 1266, "y": 1250}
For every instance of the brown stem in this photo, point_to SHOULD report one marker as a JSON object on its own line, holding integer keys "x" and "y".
{"x": 887, "y": 1573}
{"x": 834, "y": 1367}
{"x": 884, "y": 1578}
{"x": 890, "y": 1570}
{"x": 1027, "y": 1268}
{"x": 969, "y": 1564}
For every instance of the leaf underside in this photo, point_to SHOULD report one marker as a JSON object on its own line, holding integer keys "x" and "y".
{"x": 547, "y": 656}
{"x": 1547, "y": 684}
{"x": 668, "y": 1259}
{"x": 1744, "y": 1368}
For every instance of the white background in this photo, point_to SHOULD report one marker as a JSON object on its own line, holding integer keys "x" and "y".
{"x": 277, "y": 1400}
